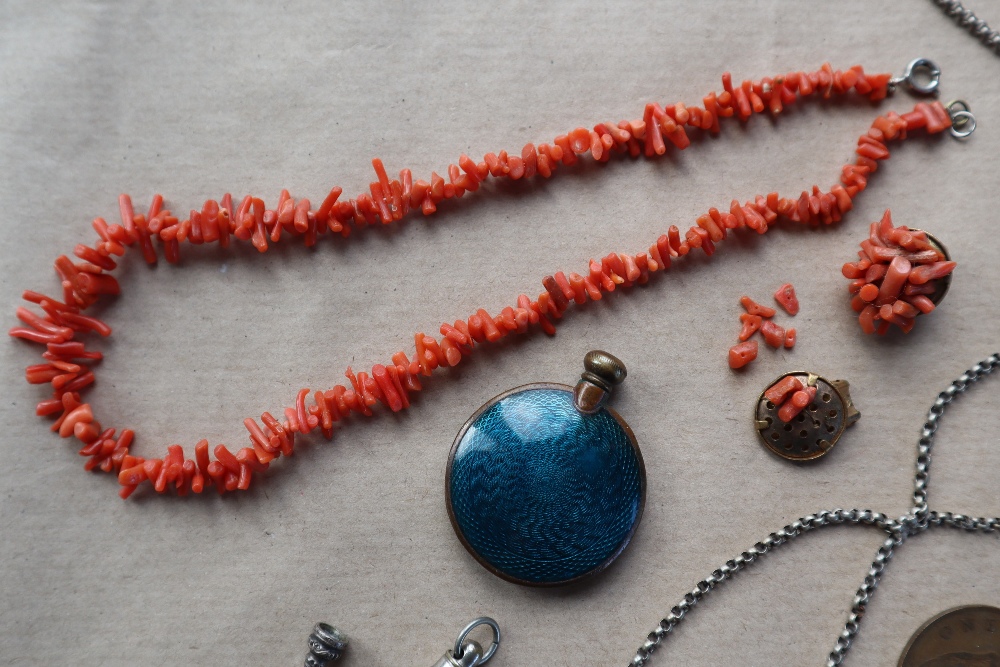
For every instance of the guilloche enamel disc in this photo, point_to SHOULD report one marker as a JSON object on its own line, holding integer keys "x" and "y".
{"x": 541, "y": 493}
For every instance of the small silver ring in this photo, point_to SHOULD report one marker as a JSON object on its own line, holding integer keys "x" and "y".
{"x": 953, "y": 108}
{"x": 925, "y": 65}
{"x": 961, "y": 104}
{"x": 963, "y": 123}
{"x": 483, "y": 620}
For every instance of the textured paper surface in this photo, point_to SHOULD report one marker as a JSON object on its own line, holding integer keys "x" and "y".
{"x": 194, "y": 99}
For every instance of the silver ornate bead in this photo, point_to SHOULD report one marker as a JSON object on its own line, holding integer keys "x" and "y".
{"x": 326, "y": 643}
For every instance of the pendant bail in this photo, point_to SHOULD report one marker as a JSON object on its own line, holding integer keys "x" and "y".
{"x": 470, "y": 656}
{"x": 603, "y": 371}
{"x": 469, "y": 653}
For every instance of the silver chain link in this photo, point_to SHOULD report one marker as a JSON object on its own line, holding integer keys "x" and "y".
{"x": 966, "y": 19}
{"x": 919, "y": 519}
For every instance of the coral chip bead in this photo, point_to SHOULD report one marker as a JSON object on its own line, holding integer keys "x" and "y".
{"x": 755, "y": 308}
{"x": 780, "y": 390}
{"x": 785, "y": 296}
{"x": 868, "y": 292}
{"x": 742, "y": 354}
{"x": 751, "y": 323}
{"x": 790, "y": 338}
{"x": 796, "y": 404}
{"x": 774, "y": 334}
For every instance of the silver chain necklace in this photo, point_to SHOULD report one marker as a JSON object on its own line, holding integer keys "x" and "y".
{"x": 919, "y": 519}
{"x": 966, "y": 19}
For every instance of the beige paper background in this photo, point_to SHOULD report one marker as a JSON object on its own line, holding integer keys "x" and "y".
{"x": 193, "y": 99}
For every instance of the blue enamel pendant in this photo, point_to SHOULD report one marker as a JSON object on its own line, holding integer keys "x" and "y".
{"x": 545, "y": 484}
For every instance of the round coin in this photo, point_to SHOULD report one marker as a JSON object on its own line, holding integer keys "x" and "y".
{"x": 966, "y": 636}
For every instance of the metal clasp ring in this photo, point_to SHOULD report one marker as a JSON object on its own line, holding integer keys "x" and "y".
{"x": 910, "y": 77}
{"x": 963, "y": 123}
{"x": 483, "y": 620}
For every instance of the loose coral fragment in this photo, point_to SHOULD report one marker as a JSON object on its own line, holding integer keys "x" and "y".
{"x": 789, "y": 338}
{"x": 791, "y": 408}
{"x": 785, "y": 296}
{"x": 782, "y": 389}
{"x": 774, "y": 334}
{"x": 755, "y": 308}
{"x": 742, "y": 354}
{"x": 751, "y": 323}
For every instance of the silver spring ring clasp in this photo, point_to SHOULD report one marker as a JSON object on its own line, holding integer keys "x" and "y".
{"x": 913, "y": 77}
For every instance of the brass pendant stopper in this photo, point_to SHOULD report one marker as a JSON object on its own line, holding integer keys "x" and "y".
{"x": 602, "y": 372}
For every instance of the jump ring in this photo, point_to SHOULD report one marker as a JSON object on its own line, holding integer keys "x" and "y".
{"x": 483, "y": 620}
{"x": 963, "y": 123}
{"x": 961, "y": 105}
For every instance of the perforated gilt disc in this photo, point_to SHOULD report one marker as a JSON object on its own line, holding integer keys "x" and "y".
{"x": 813, "y": 432}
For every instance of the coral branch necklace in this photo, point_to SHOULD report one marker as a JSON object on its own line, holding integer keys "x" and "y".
{"x": 67, "y": 361}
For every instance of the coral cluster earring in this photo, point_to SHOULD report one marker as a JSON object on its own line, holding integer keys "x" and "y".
{"x": 900, "y": 273}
